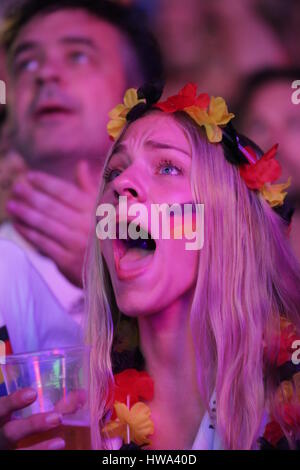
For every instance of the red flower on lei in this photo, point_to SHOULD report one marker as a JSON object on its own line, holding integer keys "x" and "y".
{"x": 131, "y": 418}
{"x": 288, "y": 335}
{"x": 273, "y": 433}
{"x": 289, "y": 412}
{"x": 287, "y": 397}
{"x": 137, "y": 385}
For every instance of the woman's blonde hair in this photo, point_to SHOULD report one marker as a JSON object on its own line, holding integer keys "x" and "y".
{"x": 247, "y": 278}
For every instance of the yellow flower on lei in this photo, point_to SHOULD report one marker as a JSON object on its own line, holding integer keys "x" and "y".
{"x": 137, "y": 419}
{"x": 275, "y": 194}
{"x": 216, "y": 115}
{"x": 119, "y": 113}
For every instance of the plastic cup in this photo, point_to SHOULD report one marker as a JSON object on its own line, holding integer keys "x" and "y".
{"x": 59, "y": 377}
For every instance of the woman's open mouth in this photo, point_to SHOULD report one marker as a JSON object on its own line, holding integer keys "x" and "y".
{"x": 133, "y": 256}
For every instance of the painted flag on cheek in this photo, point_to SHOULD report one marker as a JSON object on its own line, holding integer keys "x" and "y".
{"x": 184, "y": 224}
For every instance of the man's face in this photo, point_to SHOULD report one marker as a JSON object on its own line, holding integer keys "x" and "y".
{"x": 67, "y": 73}
{"x": 271, "y": 118}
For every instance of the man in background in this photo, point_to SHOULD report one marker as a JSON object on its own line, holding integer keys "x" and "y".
{"x": 269, "y": 115}
{"x": 69, "y": 63}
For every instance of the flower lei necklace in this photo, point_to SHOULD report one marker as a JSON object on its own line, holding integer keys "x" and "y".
{"x": 131, "y": 417}
{"x": 287, "y": 396}
{"x": 212, "y": 114}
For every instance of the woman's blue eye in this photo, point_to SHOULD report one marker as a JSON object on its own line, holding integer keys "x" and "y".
{"x": 110, "y": 175}
{"x": 168, "y": 168}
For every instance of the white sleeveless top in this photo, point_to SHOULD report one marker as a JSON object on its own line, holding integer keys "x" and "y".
{"x": 207, "y": 437}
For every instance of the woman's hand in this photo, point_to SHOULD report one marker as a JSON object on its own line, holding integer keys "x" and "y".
{"x": 12, "y": 431}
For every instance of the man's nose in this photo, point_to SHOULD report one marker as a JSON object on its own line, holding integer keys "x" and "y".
{"x": 49, "y": 71}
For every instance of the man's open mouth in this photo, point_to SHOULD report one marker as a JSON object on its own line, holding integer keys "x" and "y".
{"x": 51, "y": 110}
{"x": 133, "y": 254}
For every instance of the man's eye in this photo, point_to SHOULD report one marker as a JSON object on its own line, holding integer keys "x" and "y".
{"x": 79, "y": 57}
{"x": 168, "y": 168}
{"x": 27, "y": 65}
{"x": 110, "y": 174}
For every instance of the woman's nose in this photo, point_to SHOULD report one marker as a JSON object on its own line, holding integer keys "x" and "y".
{"x": 131, "y": 185}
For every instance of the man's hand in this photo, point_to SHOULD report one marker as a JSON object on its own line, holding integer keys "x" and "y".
{"x": 12, "y": 431}
{"x": 55, "y": 216}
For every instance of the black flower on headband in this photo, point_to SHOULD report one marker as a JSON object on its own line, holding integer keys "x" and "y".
{"x": 150, "y": 94}
{"x": 135, "y": 104}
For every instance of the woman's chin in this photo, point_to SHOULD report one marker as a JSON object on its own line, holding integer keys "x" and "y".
{"x": 135, "y": 311}
{"x": 137, "y": 305}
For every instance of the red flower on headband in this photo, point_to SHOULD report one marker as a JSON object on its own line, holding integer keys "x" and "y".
{"x": 265, "y": 170}
{"x": 137, "y": 385}
{"x": 186, "y": 97}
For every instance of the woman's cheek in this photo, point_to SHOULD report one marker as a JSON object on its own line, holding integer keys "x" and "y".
{"x": 181, "y": 265}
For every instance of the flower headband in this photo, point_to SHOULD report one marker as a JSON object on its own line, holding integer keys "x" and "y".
{"x": 212, "y": 114}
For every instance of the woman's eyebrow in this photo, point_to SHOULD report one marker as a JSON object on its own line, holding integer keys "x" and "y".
{"x": 119, "y": 149}
{"x": 153, "y": 144}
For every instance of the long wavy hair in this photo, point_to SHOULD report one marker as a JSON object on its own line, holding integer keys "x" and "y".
{"x": 247, "y": 278}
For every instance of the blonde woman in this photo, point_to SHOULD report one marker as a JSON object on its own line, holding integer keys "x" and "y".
{"x": 200, "y": 326}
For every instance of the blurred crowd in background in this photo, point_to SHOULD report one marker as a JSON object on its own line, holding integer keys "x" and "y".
{"x": 67, "y": 68}
{"x": 247, "y": 51}
{"x": 219, "y": 43}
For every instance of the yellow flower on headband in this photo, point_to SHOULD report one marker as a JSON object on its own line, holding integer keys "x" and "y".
{"x": 216, "y": 115}
{"x": 119, "y": 113}
{"x": 274, "y": 193}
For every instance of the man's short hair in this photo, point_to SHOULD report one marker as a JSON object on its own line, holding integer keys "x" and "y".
{"x": 260, "y": 79}
{"x": 128, "y": 19}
